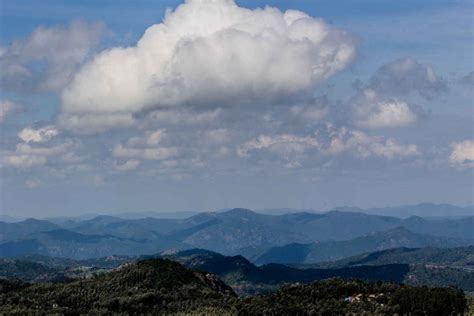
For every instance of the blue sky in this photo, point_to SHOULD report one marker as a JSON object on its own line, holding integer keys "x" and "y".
{"x": 388, "y": 122}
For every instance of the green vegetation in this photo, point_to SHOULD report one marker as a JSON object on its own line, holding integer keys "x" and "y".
{"x": 247, "y": 279}
{"x": 160, "y": 285}
{"x": 338, "y": 297}
{"x": 166, "y": 287}
{"x": 436, "y": 267}
{"x": 432, "y": 275}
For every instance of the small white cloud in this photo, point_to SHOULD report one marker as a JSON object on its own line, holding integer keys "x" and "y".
{"x": 371, "y": 110}
{"x": 27, "y": 156}
{"x": 40, "y": 135}
{"x": 150, "y": 138}
{"x": 462, "y": 154}
{"x": 27, "y": 149}
{"x": 161, "y": 153}
{"x": 24, "y": 161}
{"x": 32, "y": 183}
{"x": 6, "y": 107}
{"x": 92, "y": 123}
{"x": 365, "y": 146}
{"x": 217, "y": 136}
{"x": 285, "y": 144}
{"x": 128, "y": 165}
{"x": 385, "y": 114}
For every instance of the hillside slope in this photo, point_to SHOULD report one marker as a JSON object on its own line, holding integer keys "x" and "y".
{"x": 164, "y": 287}
{"x": 150, "y": 285}
{"x": 335, "y": 250}
{"x": 453, "y": 257}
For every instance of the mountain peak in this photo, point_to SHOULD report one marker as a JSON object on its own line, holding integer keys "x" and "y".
{"x": 105, "y": 218}
{"x": 239, "y": 211}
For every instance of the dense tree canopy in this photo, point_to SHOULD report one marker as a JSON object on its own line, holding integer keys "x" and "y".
{"x": 165, "y": 287}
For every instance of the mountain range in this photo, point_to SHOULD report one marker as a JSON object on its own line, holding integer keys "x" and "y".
{"x": 403, "y": 211}
{"x": 236, "y": 231}
{"x": 333, "y": 250}
{"x": 421, "y": 210}
{"x": 457, "y": 257}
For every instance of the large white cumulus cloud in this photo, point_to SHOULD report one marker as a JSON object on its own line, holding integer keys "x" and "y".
{"x": 209, "y": 54}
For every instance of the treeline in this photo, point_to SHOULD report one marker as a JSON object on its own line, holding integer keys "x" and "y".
{"x": 165, "y": 287}
{"x": 340, "y": 297}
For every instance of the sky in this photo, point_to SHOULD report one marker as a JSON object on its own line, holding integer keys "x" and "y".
{"x": 168, "y": 106}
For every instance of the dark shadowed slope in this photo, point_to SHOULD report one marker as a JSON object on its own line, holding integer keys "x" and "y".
{"x": 246, "y": 278}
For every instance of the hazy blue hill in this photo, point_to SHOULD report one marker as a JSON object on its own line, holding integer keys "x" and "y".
{"x": 140, "y": 228}
{"x": 237, "y": 231}
{"x": 231, "y": 232}
{"x": 402, "y": 211}
{"x": 10, "y": 219}
{"x": 334, "y": 250}
{"x": 338, "y": 225}
{"x": 157, "y": 215}
{"x": 243, "y": 231}
{"x": 456, "y": 228}
{"x": 240, "y": 228}
{"x": 12, "y": 231}
{"x": 118, "y": 227}
{"x": 423, "y": 210}
{"x": 69, "y": 244}
{"x": 453, "y": 257}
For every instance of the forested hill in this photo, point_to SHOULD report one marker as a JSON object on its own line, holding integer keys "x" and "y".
{"x": 159, "y": 286}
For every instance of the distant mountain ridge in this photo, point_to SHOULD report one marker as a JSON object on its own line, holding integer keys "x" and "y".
{"x": 70, "y": 244}
{"x": 421, "y": 210}
{"x": 236, "y": 231}
{"x": 452, "y": 257}
{"x": 334, "y": 250}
